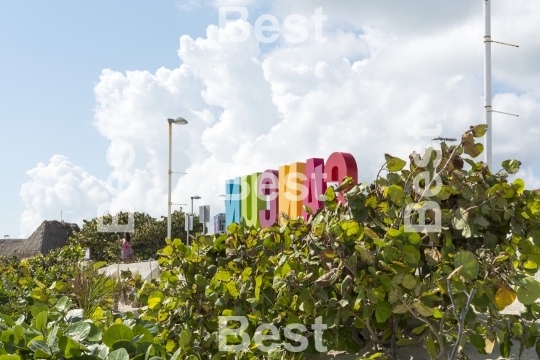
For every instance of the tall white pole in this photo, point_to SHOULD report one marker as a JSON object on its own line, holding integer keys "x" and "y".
{"x": 189, "y": 222}
{"x": 170, "y": 173}
{"x": 487, "y": 79}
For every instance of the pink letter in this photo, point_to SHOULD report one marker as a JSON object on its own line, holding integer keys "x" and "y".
{"x": 315, "y": 184}
{"x": 338, "y": 166}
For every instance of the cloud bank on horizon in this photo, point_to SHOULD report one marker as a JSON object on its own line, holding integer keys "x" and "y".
{"x": 384, "y": 68}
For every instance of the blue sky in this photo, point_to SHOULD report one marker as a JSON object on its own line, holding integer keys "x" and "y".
{"x": 52, "y": 54}
{"x": 251, "y": 106}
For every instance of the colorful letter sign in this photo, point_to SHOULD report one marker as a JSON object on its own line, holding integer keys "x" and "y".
{"x": 259, "y": 198}
{"x": 232, "y": 201}
{"x": 338, "y": 166}
{"x": 252, "y": 203}
{"x": 292, "y": 189}
{"x": 315, "y": 184}
{"x": 268, "y": 187}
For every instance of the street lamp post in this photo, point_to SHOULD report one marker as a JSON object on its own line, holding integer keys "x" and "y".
{"x": 487, "y": 78}
{"x": 196, "y": 197}
{"x": 179, "y": 121}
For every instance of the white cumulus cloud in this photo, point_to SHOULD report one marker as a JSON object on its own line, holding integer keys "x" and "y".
{"x": 253, "y": 107}
{"x": 60, "y": 186}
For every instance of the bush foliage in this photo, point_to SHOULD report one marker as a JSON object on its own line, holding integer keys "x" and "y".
{"x": 365, "y": 273}
{"x": 360, "y": 267}
{"x": 147, "y": 239}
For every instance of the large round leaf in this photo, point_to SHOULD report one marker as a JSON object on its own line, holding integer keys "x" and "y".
{"x": 409, "y": 281}
{"x": 141, "y": 330}
{"x": 396, "y": 194}
{"x": 394, "y": 164}
{"x": 95, "y": 334}
{"x": 39, "y": 345}
{"x": 69, "y": 346}
{"x": 460, "y": 221}
{"x": 120, "y": 354}
{"x": 63, "y": 304}
{"x": 155, "y": 299}
{"x": 78, "y": 331}
{"x": 10, "y": 357}
{"x": 143, "y": 348}
{"x": 41, "y": 321}
{"x": 330, "y": 194}
{"x": 519, "y": 186}
{"x": 117, "y": 332}
{"x": 351, "y": 228}
{"x": 534, "y": 235}
{"x": 490, "y": 240}
{"x": 504, "y": 297}
{"x": 233, "y": 290}
{"x": 412, "y": 255}
{"x": 423, "y": 309}
{"x": 383, "y": 311}
{"x": 479, "y": 130}
{"x": 470, "y": 264}
{"x": 38, "y": 307}
{"x": 185, "y": 337}
{"x": 530, "y": 292}
{"x": 125, "y": 344}
{"x": 511, "y": 166}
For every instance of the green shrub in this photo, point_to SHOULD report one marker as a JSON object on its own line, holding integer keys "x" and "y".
{"x": 60, "y": 333}
{"x": 356, "y": 267}
{"x": 365, "y": 273}
{"x": 147, "y": 238}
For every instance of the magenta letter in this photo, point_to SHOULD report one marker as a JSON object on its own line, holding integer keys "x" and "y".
{"x": 268, "y": 185}
{"x": 315, "y": 184}
{"x": 338, "y": 166}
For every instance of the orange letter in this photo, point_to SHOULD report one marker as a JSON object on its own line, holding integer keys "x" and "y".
{"x": 292, "y": 190}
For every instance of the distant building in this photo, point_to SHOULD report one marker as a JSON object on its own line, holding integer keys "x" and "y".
{"x": 9, "y": 246}
{"x": 219, "y": 223}
{"x": 48, "y": 236}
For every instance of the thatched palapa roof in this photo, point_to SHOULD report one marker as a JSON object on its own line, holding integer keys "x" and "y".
{"x": 48, "y": 236}
{"x": 9, "y": 246}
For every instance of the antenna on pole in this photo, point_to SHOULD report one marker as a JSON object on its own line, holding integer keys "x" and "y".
{"x": 487, "y": 80}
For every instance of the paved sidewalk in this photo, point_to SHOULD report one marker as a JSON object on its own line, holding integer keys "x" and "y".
{"x": 148, "y": 269}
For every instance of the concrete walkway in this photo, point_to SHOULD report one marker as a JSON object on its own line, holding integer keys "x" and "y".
{"x": 148, "y": 269}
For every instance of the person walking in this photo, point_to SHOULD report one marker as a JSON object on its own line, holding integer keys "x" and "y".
{"x": 126, "y": 253}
